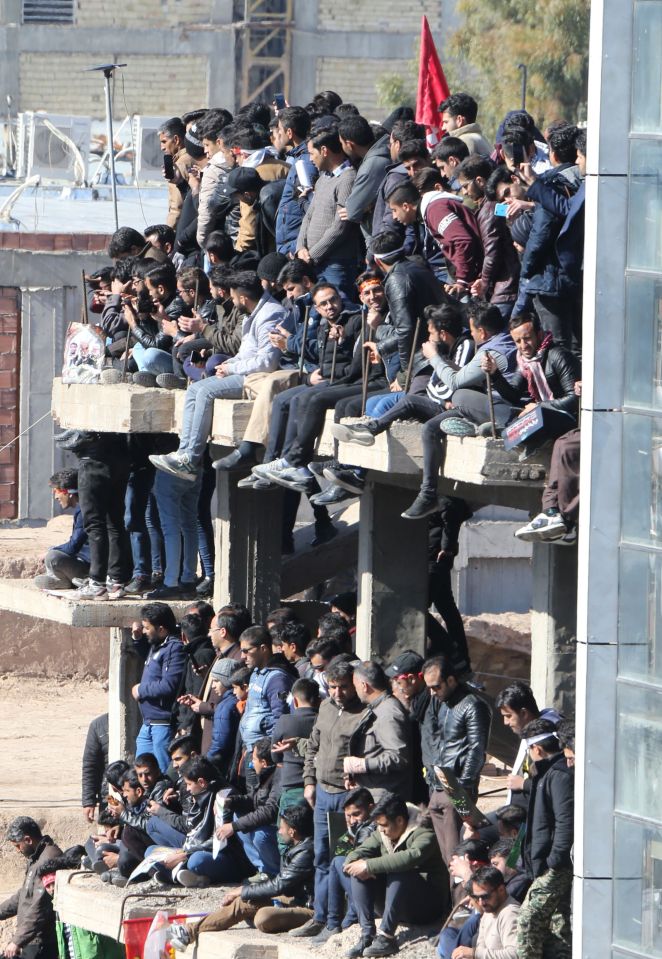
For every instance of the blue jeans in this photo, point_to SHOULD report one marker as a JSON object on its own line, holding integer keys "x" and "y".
{"x": 340, "y": 888}
{"x": 155, "y": 740}
{"x": 324, "y": 802}
{"x": 151, "y": 360}
{"x": 342, "y": 273}
{"x": 164, "y": 834}
{"x": 261, "y": 848}
{"x": 155, "y": 533}
{"x": 199, "y": 411}
{"x": 376, "y": 406}
{"x": 205, "y": 524}
{"x": 178, "y": 508}
{"x": 196, "y": 373}
{"x": 135, "y": 519}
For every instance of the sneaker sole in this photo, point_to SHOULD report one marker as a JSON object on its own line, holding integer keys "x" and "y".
{"x": 292, "y": 484}
{"x": 545, "y": 535}
{"x": 332, "y": 478}
{"x": 345, "y": 435}
{"x": 429, "y": 512}
{"x": 173, "y": 471}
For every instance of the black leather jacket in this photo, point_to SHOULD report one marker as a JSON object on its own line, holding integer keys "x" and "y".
{"x": 562, "y": 370}
{"x": 410, "y": 286}
{"x": 454, "y": 735}
{"x": 296, "y": 877}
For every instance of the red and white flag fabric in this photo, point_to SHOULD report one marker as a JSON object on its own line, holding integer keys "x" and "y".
{"x": 432, "y": 86}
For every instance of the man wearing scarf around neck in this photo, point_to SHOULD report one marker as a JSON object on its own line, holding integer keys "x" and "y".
{"x": 545, "y": 377}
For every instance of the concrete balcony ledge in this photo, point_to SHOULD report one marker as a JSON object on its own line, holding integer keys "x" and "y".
{"x": 21, "y": 596}
{"x": 113, "y": 409}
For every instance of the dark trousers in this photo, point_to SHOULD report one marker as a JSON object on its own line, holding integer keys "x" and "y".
{"x": 280, "y": 411}
{"x": 205, "y": 524}
{"x": 562, "y": 316}
{"x": 309, "y": 413}
{"x": 138, "y": 488}
{"x": 562, "y": 490}
{"x": 405, "y": 897}
{"x": 413, "y": 407}
{"x": 101, "y": 492}
{"x": 133, "y": 845}
{"x": 340, "y": 891}
{"x": 451, "y": 641}
{"x": 324, "y": 802}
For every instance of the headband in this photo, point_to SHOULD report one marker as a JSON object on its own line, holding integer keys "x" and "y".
{"x": 48, "y": 879}
{"x": 390, "y": 257}
{"x": 538, "y": 739}
{"x": 370, "y": 284}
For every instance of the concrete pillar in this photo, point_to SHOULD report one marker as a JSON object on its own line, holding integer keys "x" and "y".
{"x": 393, "y": 574}
{"x": 124, "y": 671}
{"x": 554, "y": 626}
{"x": 248, "y": 541}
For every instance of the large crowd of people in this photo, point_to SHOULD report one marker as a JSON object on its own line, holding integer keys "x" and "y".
{"x": 314, "y": 261}
{"x": 320, "y": 792}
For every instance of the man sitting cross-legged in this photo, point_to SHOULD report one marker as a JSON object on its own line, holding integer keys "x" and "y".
{"x": 276, "y": 905}
{"x": 262, "y": 314}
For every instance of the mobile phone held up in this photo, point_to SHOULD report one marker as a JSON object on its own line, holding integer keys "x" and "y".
{"x": 501, "y": 209}
{"x": 279, "y": 101}
{"x": 168, "y": 166}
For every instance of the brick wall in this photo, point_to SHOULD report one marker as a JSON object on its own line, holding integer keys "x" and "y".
{"x": 142, "y": 13}
{"x": 378, "y": 15}
{"x": 355, "y": 80}
{"x": 153, "y": 85}
{"x": 10, "y": 326}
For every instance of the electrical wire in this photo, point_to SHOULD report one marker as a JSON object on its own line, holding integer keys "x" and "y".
{"x": 26, "y": 430}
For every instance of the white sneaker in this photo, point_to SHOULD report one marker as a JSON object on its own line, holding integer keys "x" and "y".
{"x": 92, "y": 590}
{"x": 263, "y": 470}
{"x": 545, "y": 527}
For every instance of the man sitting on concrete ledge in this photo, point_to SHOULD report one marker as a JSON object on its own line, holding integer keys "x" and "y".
{"x": 262, "y": 313}
{"x": 71, "y": 559}
{"x": 276, "y": 905}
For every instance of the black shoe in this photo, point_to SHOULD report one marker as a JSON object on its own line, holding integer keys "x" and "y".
{"x": 325, "y": 935}
{"x": 382, "y": 946}
{"x": 424, "y": 505}
{"x": 157, "y": 579}
{"x": 312, "y": 927}
{"x": 235, "y": 461}
{"x": 188, "y": 590}
{"x": 287, "y": 547}
{"x": 331, "y": 495}
{"x": 165, "y": 593}
{"x": 144, "y": 379}
{"x": 206, "y": 587}
{"x": 318, "y": 467}
{"x": 170, "y": 381}
{"x": 349, "y": 477}
{"x": 324, "y": 534}
{"x": 138, "y": 586}
{"x": 358, "y": 950}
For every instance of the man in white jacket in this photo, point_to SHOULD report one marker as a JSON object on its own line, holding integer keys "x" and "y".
{"x": 497, "y": 932}
{"x": 256, "y": 354}
{"x": 212, "y": 187}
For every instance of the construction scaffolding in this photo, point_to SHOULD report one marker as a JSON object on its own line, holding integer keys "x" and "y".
{"x": 264, "y": 48}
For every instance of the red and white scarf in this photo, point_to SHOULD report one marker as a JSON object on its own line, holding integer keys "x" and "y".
{"x": 534, "y": 374}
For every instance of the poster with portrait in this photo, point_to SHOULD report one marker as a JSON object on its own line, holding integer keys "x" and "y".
{"x": 84, "y": 349}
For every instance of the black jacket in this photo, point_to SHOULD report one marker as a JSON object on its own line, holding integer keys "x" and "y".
{"x": 95, "y": 760}
{"x": 410, "y": 286}
{"x": 454, "y": 735}
{"x": 260, "y": 808}
{"x": 200, "y": 654}
{"x": 562, "y": 370}
{"x": 296, "y": 877}
{"x": 297, "y": 724}
{"x": 550, "y": 820}
{"x": 351, "y": 323}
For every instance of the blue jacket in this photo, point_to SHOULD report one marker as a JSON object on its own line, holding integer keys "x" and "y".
{"x": 570, "y": 241}
{"x": 290, "y": 210}
{"x": 224, "y": 730}
{"x": 77, "y": 544}
{"x": 162, "y": 675}
{"x": 264, "y": 705}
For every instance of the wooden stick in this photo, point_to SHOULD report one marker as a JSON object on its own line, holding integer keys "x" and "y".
{"x": 333, "y": 362}
{"x": 306, "y": 316}
{"x": 490, "y": 400}
{"x": 365, "y": 366}
{"x": 126, "y": 353}
{"x": 195, "y": 301}
{"x": 410, "y": 365}
{"x": 86, "y": 314}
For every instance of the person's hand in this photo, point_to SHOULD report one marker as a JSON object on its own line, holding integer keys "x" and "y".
{"x": 455, "y": 289}
{"x": 221, "y": 370}
{"x": 374, "y": 356}
{"x": 309, "y": 795}
{"x": 194, "y": 704}
{"x": 463, "y": 952}
{"x": 11, "y": 950}
{"x": 230, "y": 896}
{"x": 515, "y": 782}
{"x": 488, "y": 364}
{"x": 429, "y": 349}
{"x": 578, "y": 388}
{"x": 284, "y": 745}
{"x": 374, "y": 319}
{"x": 191, "y": 324}
{"x": 118, "y": 287}
{"x": 342, "y": 213}
{"x": 353, "y": 765}
{"x": 278, "y": 340}
{"x": 444, "y": 554}
{"x": 153, "y": 807}
{"x": 527, "y": 409}
{"x": 170, "y": 327}
{"x": 112, "y": 834}
{"x": 478, "y": 287}
{"x": 225, "y": 831}
{"x": 395, "y": 387}
{"x": 526, "y": 172}
{"x": 136, "y": 631}
{"x": 169, "y": 795}
{"x": 88, "y": 813}
{"x": 358, "y": 869}
{"x": 175, "y": 859}
{"x": 316, "y": 377}
{"x": 134, "y": 691}
{"x": 111, "y": 859}
{"x": 335, "y": 332}
{"x": 515, "y": 207}
{"x": 130, "y": 316}
{"x": 304, "y": 255}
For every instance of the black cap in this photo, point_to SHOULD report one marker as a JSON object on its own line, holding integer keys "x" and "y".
{"x": 244, "y": 179}
{"x": 407, "y": 662}
{"x": 270, "y": 266}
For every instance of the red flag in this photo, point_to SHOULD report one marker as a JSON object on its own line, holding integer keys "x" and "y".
{"x": 432, "y": 86}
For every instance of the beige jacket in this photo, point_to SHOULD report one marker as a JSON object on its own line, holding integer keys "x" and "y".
{"x": 472, "y": 135}
{"x": 183, "y": 162}
{"x": 497, "y": 933}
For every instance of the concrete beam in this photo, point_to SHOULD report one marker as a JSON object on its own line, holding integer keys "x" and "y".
{"x": 554, "y": 626}
{"x": 121, "y": 408}
{"x": 310, "y": 565}
{"x": 20, "y": 596}
{"x": 124, "y": 671}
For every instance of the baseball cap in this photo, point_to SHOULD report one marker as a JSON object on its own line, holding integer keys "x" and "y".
{"x": 407, "y": 662}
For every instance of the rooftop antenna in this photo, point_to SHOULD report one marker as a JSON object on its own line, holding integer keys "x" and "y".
{"x": 107, "y": 70}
